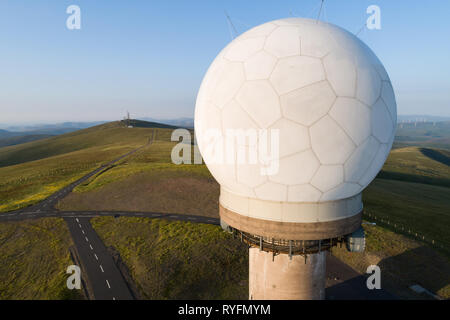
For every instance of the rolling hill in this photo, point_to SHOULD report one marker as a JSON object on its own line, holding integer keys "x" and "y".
{"x": 113, "y": 133}
{"x": 417, "y": 164}
{"x": 32, "y": 171}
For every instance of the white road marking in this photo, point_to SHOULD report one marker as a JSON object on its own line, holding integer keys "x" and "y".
{"x": 95, "y": 256}
{"x": 101, "y": 268}
{"x": 107, "y": 282}
{"x": 91, "y": 247}
{"x": 192, "y": 218}
{"x": 82, "y": 231}
{"x": 77, "y": 220}
{"x": 87, "y": 240}
{"x": 79, "y": 225}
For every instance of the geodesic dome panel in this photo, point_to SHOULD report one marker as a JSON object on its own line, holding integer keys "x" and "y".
{"x": 326, "y": 93}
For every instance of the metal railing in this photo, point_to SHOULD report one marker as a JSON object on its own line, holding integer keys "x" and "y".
{"x": 291, "y": 247}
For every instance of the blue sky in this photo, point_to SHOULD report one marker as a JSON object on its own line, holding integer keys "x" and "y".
{"x": 149, "y": 57}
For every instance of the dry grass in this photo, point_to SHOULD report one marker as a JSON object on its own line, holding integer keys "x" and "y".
{"x": 168, "y": 191}
{"x": 34, "y": 256}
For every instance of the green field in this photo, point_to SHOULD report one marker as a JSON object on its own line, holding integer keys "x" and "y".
{"x": 412, "y": 191}
{"x": 178, "y": 260}
{"x": 34, "y": 256}
{"x": 417, "y": 207}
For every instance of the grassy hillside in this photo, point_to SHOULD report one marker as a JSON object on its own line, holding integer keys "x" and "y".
{"x": 112, "y": 134}
{"x": 412, "y": 190}
{"x": 32, "y": 171}
{"x": 12, "y": 141}
{"x": 416, "y": 164}
{"x": 420, "y": 207}
{"x": 149, "y": 181}
{"x": 178, "y": 260}
{"x": 34, "y": 257}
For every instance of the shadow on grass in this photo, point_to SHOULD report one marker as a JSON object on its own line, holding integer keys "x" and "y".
{"x": 436, "y": 155}
{"x": 390, "y": 175}
{"x": 398, "y": 273}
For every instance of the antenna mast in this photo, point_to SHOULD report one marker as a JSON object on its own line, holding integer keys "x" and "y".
{"x": 231, "y": 26}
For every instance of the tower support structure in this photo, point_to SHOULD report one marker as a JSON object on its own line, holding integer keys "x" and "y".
{"x": 287, "y": 256}
{"x": 284, "y": 277}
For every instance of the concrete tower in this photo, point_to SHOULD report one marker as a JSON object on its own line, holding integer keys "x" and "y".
{"x": 294, "y": 118}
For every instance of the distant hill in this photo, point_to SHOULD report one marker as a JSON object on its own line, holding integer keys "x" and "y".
{"x": 108, "y": 134}
{"x": 41, "y": 131}
{"x": 63, "y": 127}
{"x": 423, "y": 134}
{"x": 15, "y": 140}
{"x": 6, "y": 134}
{"x": 420, "y": 118}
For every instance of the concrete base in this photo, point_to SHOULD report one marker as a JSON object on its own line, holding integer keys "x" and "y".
{"x": 285, "y": 279}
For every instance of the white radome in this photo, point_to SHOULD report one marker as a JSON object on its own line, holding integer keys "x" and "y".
{"x": 326, "y": 92}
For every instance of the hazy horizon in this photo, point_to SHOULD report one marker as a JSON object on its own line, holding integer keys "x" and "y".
{"x": 4, "y": 125}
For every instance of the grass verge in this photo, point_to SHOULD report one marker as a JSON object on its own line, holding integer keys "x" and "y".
{"x": 34, "y": 256}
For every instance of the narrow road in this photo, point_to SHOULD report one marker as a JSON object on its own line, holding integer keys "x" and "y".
{"x": 105, "y": 279}
{"x": 19, "y": 216}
